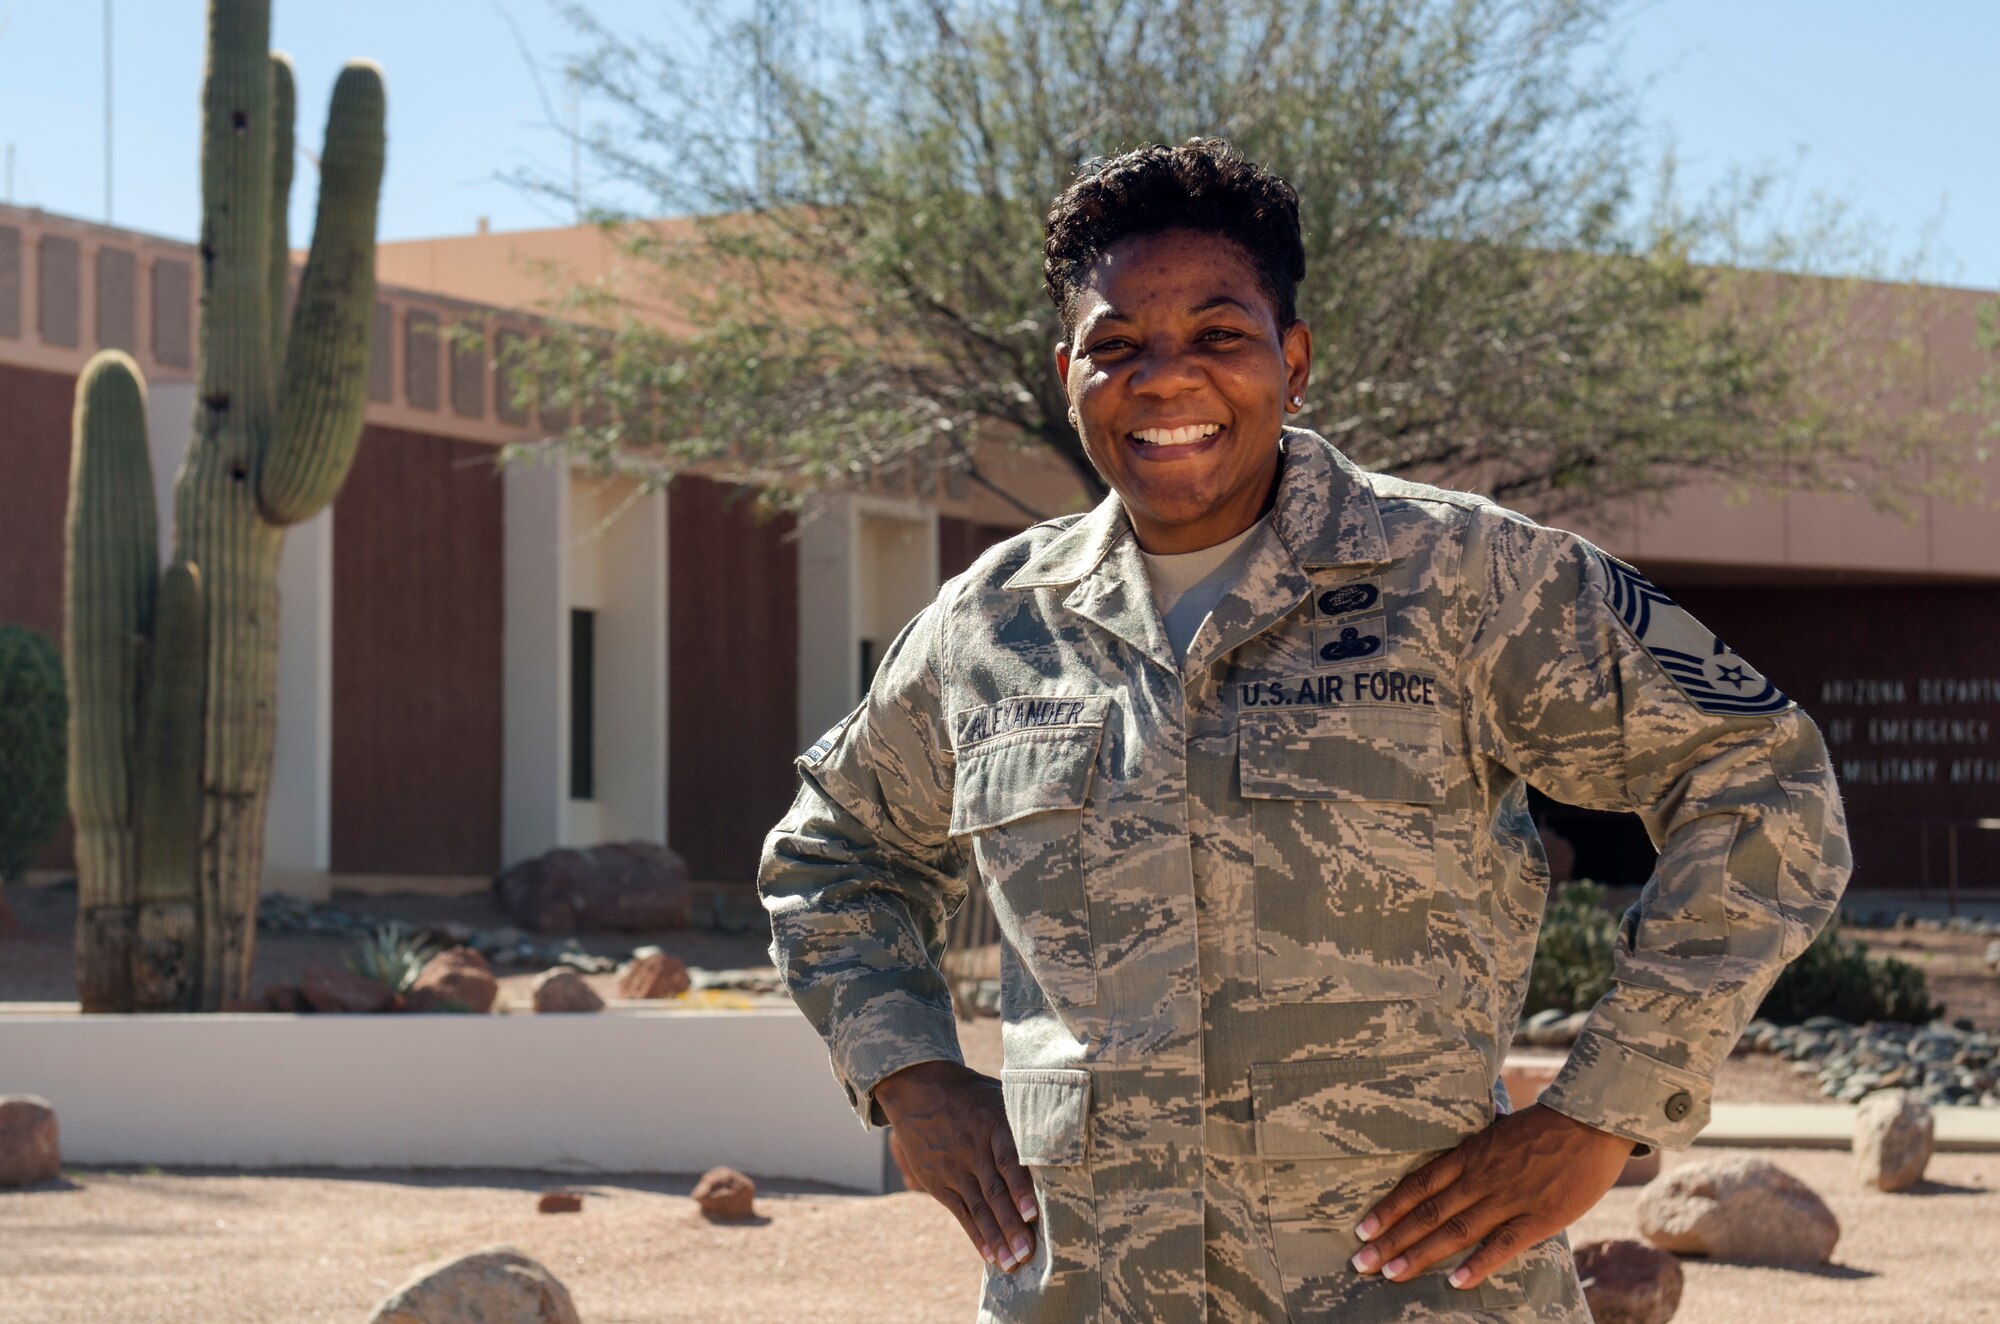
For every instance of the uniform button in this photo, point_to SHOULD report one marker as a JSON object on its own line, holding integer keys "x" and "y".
{"x": 1679, "y": 1106}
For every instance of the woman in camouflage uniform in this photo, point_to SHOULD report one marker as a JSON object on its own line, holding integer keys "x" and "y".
{"x": 1241, "y": 758}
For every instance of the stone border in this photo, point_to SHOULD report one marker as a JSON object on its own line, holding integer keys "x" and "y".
{"x": 617, "y": 1091}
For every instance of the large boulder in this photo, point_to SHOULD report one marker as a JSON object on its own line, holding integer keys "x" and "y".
{"x": 335, "y": 988}
{"x": 726, "y": 1194}
{"x": 30, "y": 1149}
{"x": 488, "y": 1286}
{"x": 629, "y": 886}
{"x": 1629, "y": 1282}
{"x": 1738, "y": 1208}
{"x": 654, "y": 975}
{"x": 1893, "y": 1135}
{"x": 562, "y": 990}
{"x": 455, "y": 980}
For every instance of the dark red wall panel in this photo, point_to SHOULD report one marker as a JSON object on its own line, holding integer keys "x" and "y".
{"x": 733, "y": 648}
{"x": 417, "y": 600}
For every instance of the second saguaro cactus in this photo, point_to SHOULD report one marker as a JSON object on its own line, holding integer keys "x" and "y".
{"x": 175, "y": 673}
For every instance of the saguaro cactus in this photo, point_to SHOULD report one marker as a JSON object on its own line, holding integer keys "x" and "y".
{"x": 174, "y": 677}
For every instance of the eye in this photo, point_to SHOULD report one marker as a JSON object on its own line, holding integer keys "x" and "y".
{"x": 1109, "y": 345}
{"x": 1217, "y": 335}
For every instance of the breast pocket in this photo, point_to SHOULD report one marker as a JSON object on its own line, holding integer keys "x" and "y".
{"x": 1021, "y": 799}
{"x": 1334, "y": 1136}
{"x": 1340, "y": 814}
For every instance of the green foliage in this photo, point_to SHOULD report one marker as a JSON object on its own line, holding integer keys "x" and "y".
{"x": 1506, "y": 286}
{"x": 1835, "y": 976}
{"x": 1572, "y": 966}
{"x": 34, "y": 723}
{"x": 393, "y": 957}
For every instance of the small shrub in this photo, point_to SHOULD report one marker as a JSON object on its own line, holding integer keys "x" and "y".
{"x": 1836, "y": 977}
{"x": 1572, "y": 967}
{"x": 393, "y": 957}
{"x": 34, "y": 757}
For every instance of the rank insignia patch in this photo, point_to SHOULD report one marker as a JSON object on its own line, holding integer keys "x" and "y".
{"x": 1708, "y": 671}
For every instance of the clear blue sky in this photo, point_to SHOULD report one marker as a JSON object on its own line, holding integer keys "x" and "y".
{"x": 1887, "y": 105}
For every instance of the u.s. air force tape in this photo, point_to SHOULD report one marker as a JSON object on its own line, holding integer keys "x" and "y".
{"x": 1709, "y": 672}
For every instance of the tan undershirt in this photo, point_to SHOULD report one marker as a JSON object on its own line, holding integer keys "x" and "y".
{"x": 1187, "y": 585}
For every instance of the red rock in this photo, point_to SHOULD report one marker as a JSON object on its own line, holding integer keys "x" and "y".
{"x": 1639, "y": 1171}
{"x": 283, "y": 997}
{"x": 30, "y": 1149}
{"x": 455, "y": 980}
{"x": 563, "y": 990}
{"x": 630, "y": 886}
{"x": 654, "y": 975}
{"x": 725, "y": 1193}
{"x": 1628, "y": 1282}
{"x": 559, "y": 1202}
{"x": 335, "y": 988}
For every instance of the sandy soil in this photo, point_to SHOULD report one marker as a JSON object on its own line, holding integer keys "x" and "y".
{"x": 153, "y": 1247}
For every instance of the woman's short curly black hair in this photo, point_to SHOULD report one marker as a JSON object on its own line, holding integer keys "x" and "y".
{"x": 1205, "y": 185}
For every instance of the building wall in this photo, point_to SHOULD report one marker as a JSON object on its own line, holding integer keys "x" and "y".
{"x": 34, "y": 493}
{"x": 416, "y": 658}
{"x": 733, "y": 658}
{"x": 961, "y": 541}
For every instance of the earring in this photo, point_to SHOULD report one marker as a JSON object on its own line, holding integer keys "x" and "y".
{"x": 1297, "y": 403}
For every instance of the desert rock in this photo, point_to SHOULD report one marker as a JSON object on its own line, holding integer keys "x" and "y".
{"x": 564, "y": 990}
{"x": 1740, "y": 1208}
{"x": 726, "y": 1193}
{"x": 30, "y": 1150}
{"x": 654, "y": 975}
{"x": 455, "y": 980}
{"x": 559, "y": 1202}
{"x": 335, "y": 988}
{"x": 497, "y": 1283}
{"x": 630, "y": 886}
{"x": 1628, "y": 1282}
{"x": 1893, "y": 1135}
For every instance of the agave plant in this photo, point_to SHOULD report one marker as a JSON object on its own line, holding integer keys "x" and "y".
{"x": 393, "y": 956}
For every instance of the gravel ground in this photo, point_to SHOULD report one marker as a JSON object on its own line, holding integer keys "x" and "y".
{"x": 154, "y": 1247}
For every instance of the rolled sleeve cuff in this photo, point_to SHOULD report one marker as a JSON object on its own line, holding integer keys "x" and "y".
{"x": 869, "y": 1050}
{"x": 1614, "y": 1088}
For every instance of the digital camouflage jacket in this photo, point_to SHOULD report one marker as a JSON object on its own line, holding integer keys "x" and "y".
{"x": 1269, "y": 913}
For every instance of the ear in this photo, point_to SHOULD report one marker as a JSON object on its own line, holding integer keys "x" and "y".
{"x": 1062, "y": 360}
{"x": 1298, "y": 357}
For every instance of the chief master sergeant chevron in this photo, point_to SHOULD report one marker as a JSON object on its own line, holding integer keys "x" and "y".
{"x": 1240, "y": 758}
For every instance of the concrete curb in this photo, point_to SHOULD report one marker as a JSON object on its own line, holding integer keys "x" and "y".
{"x": 1831, "y": 1126}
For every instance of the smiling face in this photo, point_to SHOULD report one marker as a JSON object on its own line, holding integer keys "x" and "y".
{"x": 1178, "y": 372}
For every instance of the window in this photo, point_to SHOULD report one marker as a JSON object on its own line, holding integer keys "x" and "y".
{"x": 582, "y": 703}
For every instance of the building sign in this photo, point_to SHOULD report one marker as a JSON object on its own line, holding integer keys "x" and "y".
{"x": 1937, "y": 735}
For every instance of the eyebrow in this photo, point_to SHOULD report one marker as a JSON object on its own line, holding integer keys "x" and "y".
{"x": 1110, "y": 314}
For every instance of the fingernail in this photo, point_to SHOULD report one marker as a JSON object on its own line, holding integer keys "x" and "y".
{"x": 1394, "y": 1268}
{"x": 1022, "y": 1248}
{"x": 1459, "y": 1275}
{"x": 1028, "y": 1210}
{"x": 1369, "y": 1227}
{"x": 1366, "y": 1259}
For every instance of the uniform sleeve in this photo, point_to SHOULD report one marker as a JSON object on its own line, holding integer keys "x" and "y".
{"x": 860, "y": 877}
{"x": 1598, "y": 689}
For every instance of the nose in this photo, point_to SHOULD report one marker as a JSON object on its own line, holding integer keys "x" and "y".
{"x": 1165, "y": 372}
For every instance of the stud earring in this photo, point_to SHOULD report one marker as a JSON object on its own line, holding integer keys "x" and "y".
{"x": 1297, "y": 403}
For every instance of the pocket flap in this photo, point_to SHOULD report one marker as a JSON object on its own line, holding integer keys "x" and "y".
{"x": 1351, "y": 754}
{"x": 1049, "y": 1113}
{"x": 1332, "y": 1107}
{"x": 1018, "y": 775}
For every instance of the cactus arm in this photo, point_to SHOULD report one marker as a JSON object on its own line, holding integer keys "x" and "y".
{"x": 284, "y": 110}
{"x": 112, "y": 562}
{"x": 165, "y": 964}
{"x": 325, "y": 379}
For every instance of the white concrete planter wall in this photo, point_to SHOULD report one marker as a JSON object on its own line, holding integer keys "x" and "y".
{"x": 615, "y": 1091}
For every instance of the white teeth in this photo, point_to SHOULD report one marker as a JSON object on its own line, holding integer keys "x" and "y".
{"x": 1177, "y": 436}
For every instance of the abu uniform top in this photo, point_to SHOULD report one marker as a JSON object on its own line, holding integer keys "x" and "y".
{"x": 1268, "y": 913}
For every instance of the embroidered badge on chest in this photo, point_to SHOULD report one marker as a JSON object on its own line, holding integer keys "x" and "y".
{"x": 1713, "y": 677}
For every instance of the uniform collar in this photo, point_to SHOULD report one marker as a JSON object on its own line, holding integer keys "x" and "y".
{"x": 1324, "y": 516}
